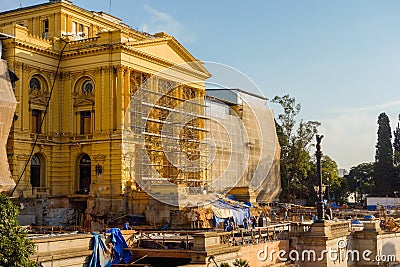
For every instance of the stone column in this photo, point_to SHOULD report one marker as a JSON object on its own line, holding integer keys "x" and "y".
{"x": 99, "y": 89}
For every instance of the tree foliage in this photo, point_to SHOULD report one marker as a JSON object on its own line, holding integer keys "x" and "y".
{"x": 241, "y": 263}
{"x": 295, "y": 139}
{"x": 384, "y": 169}
{"x": 396, "y": 156}
{"x": 337, "y": 186}
{"x": 361, "y": 179}
{"x": 396, "y": 142}
{"x": 15, "y": 248}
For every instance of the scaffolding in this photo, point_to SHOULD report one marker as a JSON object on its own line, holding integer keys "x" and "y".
{"x": 186, "y": 149}
{"x": 164, "y": 139}
{"x": 7, "y": 109}
{"x": 230, "y": 151}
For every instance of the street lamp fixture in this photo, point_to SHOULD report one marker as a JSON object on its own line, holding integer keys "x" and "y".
{"x": 320, "y": 203}
{"x": 99, "y": 169}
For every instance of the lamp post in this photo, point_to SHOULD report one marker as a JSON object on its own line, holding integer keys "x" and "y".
{"x": 320, "y": 203}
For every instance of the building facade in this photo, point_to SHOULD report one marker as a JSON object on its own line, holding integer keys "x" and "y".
{"x": 78, "y": 71}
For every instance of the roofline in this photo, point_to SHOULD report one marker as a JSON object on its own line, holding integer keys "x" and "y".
{"x": 68, "y": 3}
{"x": 4, "y": 36}
{"x": 185, "y": 53}
{"x": 24, "y": 8}
{"x": 219, "y": 100}
{"x": 189, "y": 55}
{"x": 239, "y": 90}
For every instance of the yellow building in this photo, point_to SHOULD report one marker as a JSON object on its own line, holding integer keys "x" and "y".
{"x": 78, "y": 71}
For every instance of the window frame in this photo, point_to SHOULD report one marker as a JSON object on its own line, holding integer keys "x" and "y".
{"x": 36, "y": 120}
{"x": 85, "y": 126}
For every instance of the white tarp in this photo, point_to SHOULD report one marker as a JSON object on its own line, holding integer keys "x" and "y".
{"x": 7, "y": 109}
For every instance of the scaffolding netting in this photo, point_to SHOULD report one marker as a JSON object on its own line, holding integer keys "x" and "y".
{"x": 7, "y": 109}
{"x": 247, "y": 116}
{"x": 186, "y": 149}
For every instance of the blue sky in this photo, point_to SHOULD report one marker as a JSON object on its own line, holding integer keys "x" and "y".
{"x": 339, "y": 59}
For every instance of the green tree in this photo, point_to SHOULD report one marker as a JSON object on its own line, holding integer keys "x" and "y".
{"x": 384, "y": 169}
{"x": 15, "y": 248}
{"x": 396, "y": 156}
{"x": 241, "y": 263}
{"x": 295, "y": 139}
{"x": 337, "y": 186}
{"x": 361, "y": 179}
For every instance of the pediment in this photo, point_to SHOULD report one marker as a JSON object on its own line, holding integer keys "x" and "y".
{"x": 168, "y": 48}
{"x": 83, "y": 102}
{"x": 41, "y": 101}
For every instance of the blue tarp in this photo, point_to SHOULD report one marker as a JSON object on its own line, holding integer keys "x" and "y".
{"x": 334, "y": 205}
{"x": 218, "y": 221}
{"x": 238, "y": 211}
{"x": 248, "y": 204}
{"x": 119, "y": 244}
{"x": 369, "y": 217}
{"x": 231, "y": 197}
{"x": 99, "y": 257}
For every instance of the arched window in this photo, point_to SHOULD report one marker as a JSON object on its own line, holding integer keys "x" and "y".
{"x": 84, "y": 174}
{"x": 87, "y": 87}
{"x": 36, "y": 172}
{"x": 34, "y": 84}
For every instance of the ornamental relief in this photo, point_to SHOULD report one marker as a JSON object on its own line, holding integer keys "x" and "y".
{"x": 17, "y": 64}
{"x": 84, "y": 92}
{"x": 26, "y": 67}
{"x": 74, "y": 76}
{"x": 48, "y": 74}
{"x": 38, "y": 90}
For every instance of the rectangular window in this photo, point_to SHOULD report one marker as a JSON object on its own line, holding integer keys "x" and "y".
{"x": 36, "y": 120}
{"x": 73, "y": 27}
{"x": 46, "y": 25}
{"x": 86, "y": 122}
{"x": 45, "y": 29}
{"x": 80, "y": 28}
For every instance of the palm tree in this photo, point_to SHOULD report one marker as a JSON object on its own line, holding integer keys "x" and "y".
{"x": 241, "y": 263}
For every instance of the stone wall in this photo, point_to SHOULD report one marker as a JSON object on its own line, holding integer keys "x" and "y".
{"x": 336, "y": 246}
{"x": 384, "y": 247}
{"x": 63, "y": 250}
{"x": 252, "y": 253}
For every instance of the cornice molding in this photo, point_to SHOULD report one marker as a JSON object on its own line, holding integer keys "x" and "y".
{"x": 166, "y": 63}
{"x": 123, "y": 27}
{"x": 35, "y": 48}
{"x": 143, "y": 55}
